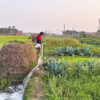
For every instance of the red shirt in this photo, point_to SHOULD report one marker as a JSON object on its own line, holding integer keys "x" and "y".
{"x": 39, "y": 38}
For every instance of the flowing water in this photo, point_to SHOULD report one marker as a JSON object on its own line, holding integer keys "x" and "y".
{"x": 17, "y": 92}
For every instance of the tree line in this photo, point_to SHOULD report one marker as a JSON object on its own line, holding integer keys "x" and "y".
{"x": 9, "y": 30}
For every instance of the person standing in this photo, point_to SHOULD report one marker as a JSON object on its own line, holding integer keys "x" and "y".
{"x": 38, "y": 42}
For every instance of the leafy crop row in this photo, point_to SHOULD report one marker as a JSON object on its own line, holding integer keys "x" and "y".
{"x": 80, "y": 81}
{"x": 51, "y": 43}
{"x": 75, "y": 51}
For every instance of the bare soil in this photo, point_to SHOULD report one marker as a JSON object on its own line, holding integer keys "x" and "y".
{"x": 38, "y": 85}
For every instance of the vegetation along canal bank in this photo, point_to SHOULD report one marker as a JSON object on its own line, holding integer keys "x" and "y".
{"x": 71, "y": 70}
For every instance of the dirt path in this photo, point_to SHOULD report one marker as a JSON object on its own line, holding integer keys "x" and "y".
{"x": 38, "y": 90}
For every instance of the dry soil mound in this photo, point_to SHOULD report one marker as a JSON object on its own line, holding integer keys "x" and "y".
{"x": 15, "y": 59}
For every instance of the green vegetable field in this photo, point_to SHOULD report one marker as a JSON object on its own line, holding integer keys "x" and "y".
{"x": 72, "y": 68}
{"x": 73, "y": 71}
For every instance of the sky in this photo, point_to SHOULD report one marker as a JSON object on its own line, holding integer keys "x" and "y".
{"x": 50, "y": 15}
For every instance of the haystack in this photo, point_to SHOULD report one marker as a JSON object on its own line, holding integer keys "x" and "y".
{"x": 15, "y": 59}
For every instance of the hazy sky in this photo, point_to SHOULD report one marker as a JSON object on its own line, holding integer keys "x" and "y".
{"x": 50, "y": 15}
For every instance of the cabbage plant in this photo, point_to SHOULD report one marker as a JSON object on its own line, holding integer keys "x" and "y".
{"x": 74, "y": 51}
{"x": 55, "y": 67}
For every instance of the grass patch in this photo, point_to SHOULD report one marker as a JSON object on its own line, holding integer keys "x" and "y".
{"x": 6, "y": 39}
{"x": 89, "y": 39}
{"x": 30, "y": 87}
